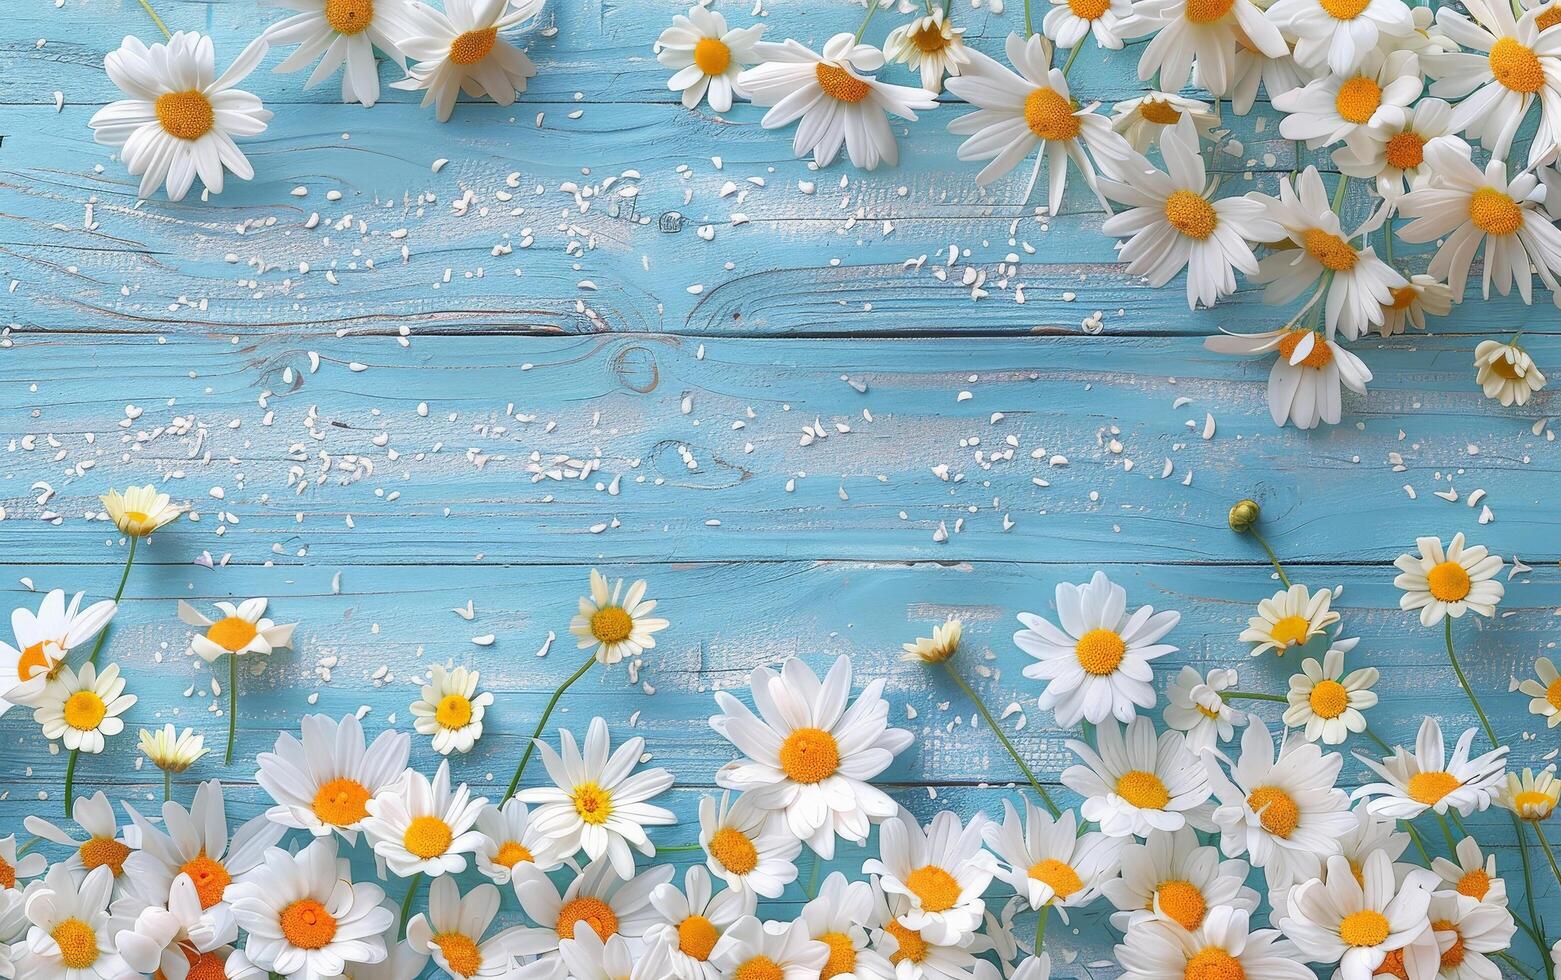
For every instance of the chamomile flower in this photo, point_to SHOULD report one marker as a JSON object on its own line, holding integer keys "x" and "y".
{"x": 597, "y": 803}
{"x": 774, "y": 951}
{"x": 911, "y": 956}
{"x": 1506, "y": 372}
{"x": 1510, "y": 66}
{"x": 176, "y": 938}
{"x": 1372, "y": 833}
{"x": 1429, "y": 780}
{"x": 82, "y": 709}
{"x": 1172, "y": 222}
{"x": 1171, "y": 876}
{"x": 1289, "y": 619}
{"x": 450, "y": 709}
{"x": 101, "y": 845}
{"x": 1254, "y": 70}
{"x": 1412, "y": 302}
{"x": 323, "y": 781}
{"x": 15, "y": 871}
{"x": 1326, "y": 702}
{"x": 1097, "y": 665}
{"x": 1225, "y": 945}
{"x": 453, "y": 931}
{"x": 306, "y": 918}
{"x": 1474, "y": 874}
{"x": 242, "y": 629}
{"x": 342, "y": 34}
{"x": 707, "y": 57}
{"x": 1142, "y": 120}
{"x": 13, "y": 926}
{"x": 1340, "y": 34}
{"x": 511, "y": 841}
{"x": 1133, "y": 782}
{"x": 586, "y": 957}
{"x": 941, "y": 871}
{"x": 1467, "y": 931}
{"x": 423, "y": 826}
{"x": 840, "y": 917}
{"x": 1046, "y": 861}
{"x": 594, "y": 900}
{"x": 172, "y": 751}
{"x": 1281, "y": 808}
{"x": 1303, "y": 386}
{"x": 1392, "y": 154}
{"x": 692, "y": 920}
{"x": 1068, "y": 22}
{"x": 617, "y": 627}
{"x": 42, "y": 641}
{"x": 69, "y": 934}
{"x": 1195, "y": 707}
{"x": 1545, "y": 692}
{"x": 1448, "y": 582}
{"x": 1357, "y": 923}
{"x": 930, "y": 45}
{"x": 465, "y": 48}
{"x": 810, "y": 751}
{"x": 1210, "y": 32}
{"x": 140, "y": 510}
{"x": 1529, "y": 796}
{"x": 747, "y": 847}
{"x": 937, "y": 648}
{"x": 1353, "y": 106}
{"x": 1028, "y": 111}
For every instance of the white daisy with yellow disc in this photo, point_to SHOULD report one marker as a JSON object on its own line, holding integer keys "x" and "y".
{"x": 747, "y": 847}
{"x": 1047, "y": 862}
{"x": 43, "y": 640}
{"x": 424, "y": 826}
{"x": 323, "y": 779}
{"x": 617, "y": 623}
{"x": 450, "y": 709}
{"x": 81, "y": 709}
{"x": 1443, "y": 582}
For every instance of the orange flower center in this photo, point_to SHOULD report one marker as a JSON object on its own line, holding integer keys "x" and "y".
{"x": 84, "y": 710}
{"x": 1332, "y": 251}
{"x": 592, "y": 803}
{"x": 1533, "y": 805}
{"x": 913, "y": 948}
{"x": 842, "y": 955}
{"x": 185, "y": 115}
{"x": 460, "y": 952}
{"x": 511, "y": 853}
{"x": 929, "y": 39}
{"x": 1050, "y": 116}
{"x": 307, "y": 925}
{"x": 211, "y": 879}
{"x": 1548, "y": 18}
{"x": 810, "y": 755}
{"x": 102, "y": 852}
{"x": 840, "y": 84}
{"x": 1393, "y": 966}
{"x": 1191, "y": 215}
{"x": 1143, "y": 789}
{"x": 588, "y": 910}
{"x": 427, "y": 837}
{"x": 1344, "y": 9}
{"x": 697, "y": 936}
{"x": 231, "y": 633}
{"x": 1453, "y": 955}
{"x": 611, "y": 624}
{"x": 759, "y": 968}
{"x": 712, "y": 56}
{"x": 1358, "y": 98}
{"x": 1503, "y": 368}
{"x": 205, "y": 966}
{"x": 7, "y": 875}
{"x": 1495, "y": 212}
{"x": 1403, "y": 297}
{"x": 349, "y": 16}
{"x": 1329, "y": 699}
{"x": 34, "y": 659}
{"x": 1213, "y": 963}
{"x": 1277, "y": 810}
{"x": 935, "y": 887}
{"x": 1208, "y": 11}
{"x": 78, "y": 943}
{"x": 1319, "y": 357}
{"x": 1182, "y": 902}
{"x": 1089, "y": 9}
{"x": 1553, "y": 694}
{"x": 1059, "y": 875}
{"x": 1368, "y": 927}
{"x": 341, "y": 802}
{"x": 1160, "y": 113}
{"x": 734, "y": 850}
{"x": 473, "y": 46}
{"x": 1516, "y": 66}
{"x": 1405, "y": 150}
{"x": 1474, "y": 883}
{"x": 453, "y": 711}
{"x": 1448, "y": 582}
{"x": 1100, "y": 651}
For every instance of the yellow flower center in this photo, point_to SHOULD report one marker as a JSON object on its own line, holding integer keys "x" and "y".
{"x": 1344, "y": 9}
{"x": 1276, "y": 810}
{"x": 1516, "y": 66}
{"x": 809, "y": 755}
{"x": 1430, "y": 786}
{"x": 100, "y": 852}
{"x": 842, "y": 955}
{"x": 511, "y": 853}
{"x": 84, "y": 710}
{"x": 1183, "y": 902}
{"x": 1367, "y": 927}
{"x": 1210, "y": 713}
{"x": 1495, "y": 212}
{"x": 135, "y": 523}
{"x": 1403, "y": 298}
{"x": 1474, "y": 883}
{"x": 34, "y": 659}
{"x": 929, "y": 39}
{"x": 592, "y": 803}
{"x": 935, "y": 887}
{"x": 1160, "y": 113}
{"x": 1534, "y": 805}
{"x": 1100, "y": 651}
{"x": 1548, "y": 18}
{"x": 611, "y": 624}
{"x": 1208, "y": 11}
{"x": 1291, "y": 630}
{"x": 697, "y": 936}
{"x": 1553, "y": 694}
{"x": 1329, "y": 699}
{"x": 473, "y": 46}
{"x": 913, "y": 948}
{"x": 840, "y": 84}
{"x": 1319, "y": 357}
{"x": 1213, "y": 963}
{"x": 1191, "y": 215}
{"x": 1358, "y": 98}
{"x": 1059, "y": 875}
{"x": 759, "y": 968}
{"x": 341, "y": 802}
{"x": 1448, "y": 582}
{"x": 349, "y": 16}
{"x": 1143, "y": 789}
{"x": 1405, "y": 150}
{"x": 427, "y": 837}
{"x": 1505, "y": 369}
{"x": 1453, "y": 955}
{"x": 1089, "y": 9}
{"x": 78, "y": 943}
{"x": 210, "y": 878}
{"x": 734, "y": 850}
{"x": 307, "y": 925}
{"x": 460, "y": 952}
{"x": 712, "y": 56}
{"x": 453, "y": 711}
{"x": 1332, "y": 251}
{"x": 588, "y": 910}
{"x": 7, "y": 875}
{"x": 231, "y": 633}
{"x": 1050, "y": 116}
{"x": 186, "y": 116}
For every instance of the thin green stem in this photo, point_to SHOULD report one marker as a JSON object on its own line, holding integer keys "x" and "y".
{"x": 406, "y": 903}
{"x": 872, "y": 8}
{"x": 1516, "y": 967}
{"x": 1001, "y": 737}
{"x": 28, "y": 846}
{"x": 1387, "y": 243}
{"x": 1029, "y": 25}
{"x": 1273, "y": 558}
{"x": 232, "y": 703}
{"x": 1490, "y": 733}
{"x": 1378, "y": 739}
{"x": 124, "y": 577}
{"x": 70, "y": 782}
{"x": 676, "y": 848}
{"x": 1528, "y": 894}
{"x": 1040, "y": 927}
{"x": 1338, "y": 192}
{"x": 156, "y": 20}
{"x": 1414, "y": 835}
{"x": 1457, "y": 822}
{"x": 812, "y": 887}
{"x": 1254, "y": 696}
{"x": 1447, "y": 834}
{"x": 547, "y": 712}
{"x": 1549, "y": 854}
{"x": 1067, "y": 66}
{"x": 167, "y": 786}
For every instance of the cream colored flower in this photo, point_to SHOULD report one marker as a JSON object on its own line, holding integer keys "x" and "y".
{"x": 617, "y": 627}
{"x": 1546, "y": 692}
{"x": 1506, "y": 372}
{"x": 1531, "y": 796}
{"x": 931, "y": 45}
{"x": 172, "y": 752}
{"x": 940, "y": 646}
{"x": 139, "y": 510}
{"x": 242, "y": 629}
{"x": 1289, "y": 619}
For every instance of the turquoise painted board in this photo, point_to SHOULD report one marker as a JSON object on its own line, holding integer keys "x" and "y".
{"x": 413, "y": 365}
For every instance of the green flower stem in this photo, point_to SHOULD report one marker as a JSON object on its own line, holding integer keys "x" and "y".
{"x": 1447, "y": 832}
{"x": 160, "y": 26}
{"x": 811, "y": 891}
{"x": 70, "y": 781}
{"x": 1538, "y": 931}
{"x": 1040, "y": 927}
{"x": 1378, "y": 739}
{"x": 124, "y": 577}
{"x": 1067, "y": 66}
{"x": 406, "y": 903}
{"x": 232, "y": 703}
{"x": 675, "y": 848}
{"x": 1551, "y": 855}
{"x": 872, "y": 8}
{"x": 167, "y": 786}
{"x": 1254, "y": 696}
{"x": 1273, "y": 558}
{"x": 1516, "y": 967}
{"x": 28, "y": 846}
{"x": 1029, "y": 25}
{"x": 547, "y": 712}
{"x": 1490, "y": 733}
{"x": 1001, "y": 737}
{"x": 1338, "y": 192}
{"x": 1414, "y": 835}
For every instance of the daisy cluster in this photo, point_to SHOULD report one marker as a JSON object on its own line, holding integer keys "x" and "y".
{"x": 1221, "y": 861}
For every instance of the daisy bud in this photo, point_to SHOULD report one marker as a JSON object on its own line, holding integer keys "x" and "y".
{"x": 937, "y": 648}
{"x": 172, "y": 752}
{"x": 1244, "y": 515}
{"x": 139, "y": 510}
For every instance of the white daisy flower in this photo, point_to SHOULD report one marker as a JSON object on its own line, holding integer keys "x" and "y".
{"x": 82, "y": 709}
{"x": 1545, "y": 692}
{"x": 1289, "y": 619}
{"x": 423, "y": 826}
{"x": 101, "y": 843}
{"x": 1468, "y": 210}
{"x": 1510, "y": 66}
{"x": 1254, "y": 70}
{"x": 1171, "y": 876}
{"x": 1195, "y": 707}
{"x": 14, "y": 871}
{"x": 1172, "y": 222}
{"x": 692, "y": 920}
{"x": 810, "y": 751}
{"x": 1359, "y": 283}
{"x": 176, "y": 938}
{"x": 511, "y": 841}
{"x": 450, "y": 709}
{"x": 69, "y": 933}
{"x": 1355, "y": 106}
{"x": 773, "y": 951}
{"x": 139, "y": 510}
{"x": 1448, "y": 582}
{"x": 170, "y": 750}
{"x": 837, "y": 102}
{"x": 707, "y": 57}
{"x": 1031, "y": 111}
{"x": 305, "y": 917}
{"x": 179, "y": 123}
{"x": 1340, "y": 34}
{"x": 1046, "y": 861}
{"x": 1097, "y": 665}
{"x": 1423, "y": 295}
{"x": 747, "y": 847}
{"x": 453, "y": 929}
{"x": 42, "y": 642}
{"x": 1303, "y": 386}
{"x": 937, "y": 648}
{"x": 1467, "y": 930}
{"x": 1530, "y": 796}
{"x": 840, "y": 918}
{"x": 1068, "y": 22}
{"x": 941, "y": 872}
{"x": 1326, "y": 702}
{"x": 1210, "y": 32}
{"x": 1142, "y": 120}
{"x": 462, "y": 48}
{"x": 594, "y": 900}
{"x": 1371, "y": 833}
{"x": 588, "y": 958}
{"x": 930, "y": 45}
{"x": 1474, "y": 875}
{"x": 617, "y": 628}
{"x": 242, "y": 629}
{"x": 597, "y": 803}
{"x": 1506, "y": 372}
{"x": 343, "y": 35}
{"x": 323, "y": 783}
{"x": 1358, "y": 923}
{"x": 1283, "y": 809}
{"x": 1224, "y": 946}
{"x": 1429, "y": 780}
{"x": 1133, "y": 782}
{"x": 13, "y": 927}
{"x": 1392, "y": 154}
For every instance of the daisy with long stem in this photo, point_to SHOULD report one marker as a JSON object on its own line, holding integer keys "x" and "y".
{"x": 241, "y": 630}
{"x": 1243, "y": 520}
{"x": 137, "y": 512}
